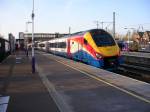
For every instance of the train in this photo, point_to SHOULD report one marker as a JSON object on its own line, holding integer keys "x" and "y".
{"x": 95, "y": 47}
{"x": 4, "y": 49}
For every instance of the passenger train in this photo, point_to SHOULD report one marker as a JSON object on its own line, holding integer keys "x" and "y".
{"x": 95, "y": 47}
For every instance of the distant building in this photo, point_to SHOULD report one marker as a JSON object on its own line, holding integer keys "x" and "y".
{"x": 137, "y": 36}
{"x": 25, "y": 38}
{"x": 39, "y": 36}
{"x": 146, "y": 36}
{"x": 21, "y": 35}
{"x": 140, "y": 37}
{"x": 143, "y": 37}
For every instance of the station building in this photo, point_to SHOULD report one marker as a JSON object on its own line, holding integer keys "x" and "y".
{"x": 25, "y": 38}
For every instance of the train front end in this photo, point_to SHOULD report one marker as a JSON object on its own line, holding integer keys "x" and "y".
{"x": 106, "y": 52}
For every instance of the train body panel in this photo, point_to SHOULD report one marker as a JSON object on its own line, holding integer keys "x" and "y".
{"x": 109, "y": 51}
{"x": 75, "y": 47}
{"x": 58, "y": 46}
{"x": 95, "y": 47}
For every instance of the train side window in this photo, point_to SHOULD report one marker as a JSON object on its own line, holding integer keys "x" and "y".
{"x": 56, "y": 45}
{"x": 63, "y": 44}
{"x": 85, "y": 42}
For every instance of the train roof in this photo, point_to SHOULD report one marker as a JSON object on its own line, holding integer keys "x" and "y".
{"x": 80, "y": 33}
{"x": 92, "y": 30}
{"x": 83, "y": 32}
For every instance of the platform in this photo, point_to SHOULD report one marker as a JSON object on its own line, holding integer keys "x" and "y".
{"x": 137, "y": 54}
{"x": 77, "y": 87}
{"x": 25, "y": 90}
{"x": 63, "y": 85}
{"x": 137, "y": 58}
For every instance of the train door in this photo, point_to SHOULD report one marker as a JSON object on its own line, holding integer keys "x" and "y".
{"x": 68, "y": 49}
{"x": 85, "y": 55}
{"x": 80, "y": 51}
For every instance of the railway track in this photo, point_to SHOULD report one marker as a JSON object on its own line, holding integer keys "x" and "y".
{"x": 136, "y": 71}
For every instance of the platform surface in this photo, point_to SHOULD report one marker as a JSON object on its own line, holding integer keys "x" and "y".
{"x": 137, "y": 54}
{"x": 63, "y": 85}
{"x": 25, "y": 90}
{"x": 77, "y": 87}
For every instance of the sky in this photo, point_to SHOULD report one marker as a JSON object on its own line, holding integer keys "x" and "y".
{"x": 53, "y": 16}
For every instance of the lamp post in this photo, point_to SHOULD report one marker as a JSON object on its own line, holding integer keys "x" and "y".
{"x": 114, "y": 29}
{"x": 129, "y": 34}
{"x": 69, "y": 30}
{"x": 28, "y": 22}
{"x": 33, "y": 57}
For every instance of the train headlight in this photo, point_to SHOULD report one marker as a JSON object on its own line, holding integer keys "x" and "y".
{"x": 98, "y": 55}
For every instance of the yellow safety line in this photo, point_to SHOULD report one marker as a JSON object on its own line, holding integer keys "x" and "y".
{"x": 94, "y": 77}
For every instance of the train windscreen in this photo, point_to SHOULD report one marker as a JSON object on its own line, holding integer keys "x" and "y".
{"x": 102, "y": 38}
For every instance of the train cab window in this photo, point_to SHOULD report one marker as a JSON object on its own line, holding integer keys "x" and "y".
{"x": 102, "y": 38}
{"x": 85, "y": 42}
